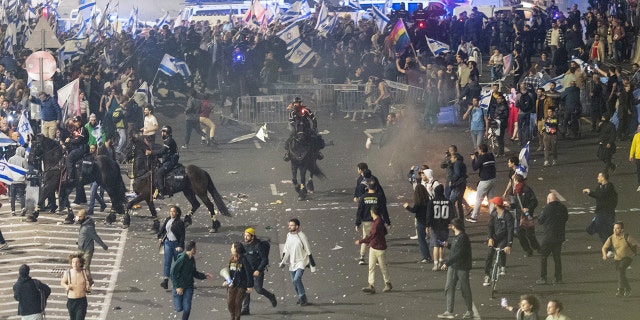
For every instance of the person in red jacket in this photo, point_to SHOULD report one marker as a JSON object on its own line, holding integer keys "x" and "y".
{"x": 377, "y": 253}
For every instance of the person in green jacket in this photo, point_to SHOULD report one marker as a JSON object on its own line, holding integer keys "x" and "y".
{"x": 182, "y": 274}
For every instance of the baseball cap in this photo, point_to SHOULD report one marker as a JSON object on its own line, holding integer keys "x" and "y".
{"x": 250, "y": 231}
{"x": 497, "y": 201}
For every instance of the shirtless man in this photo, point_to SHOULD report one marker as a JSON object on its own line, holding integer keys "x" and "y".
{"x": 77, "y": 285}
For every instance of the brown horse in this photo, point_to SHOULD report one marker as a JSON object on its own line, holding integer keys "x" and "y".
{"x": 194, "y": 182}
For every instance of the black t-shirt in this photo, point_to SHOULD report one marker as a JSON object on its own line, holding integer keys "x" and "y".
{"x": 612, "y": 79}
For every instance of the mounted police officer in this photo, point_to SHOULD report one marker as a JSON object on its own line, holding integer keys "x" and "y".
{"x": 303, "y": 120}
{"x": 77, "y": 145}
{"x": 169, "y": 158}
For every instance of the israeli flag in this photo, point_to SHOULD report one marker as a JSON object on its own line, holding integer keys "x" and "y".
{"x": 24, "y": 129}
{"x": 97, "y": 133}
{"x": 171, "y": 66}
{"x": 436, "y": 46}
{"x": 290, "y": 35}
{"x": 323, "y": 15}
{"x": 5, "y": 140}
{"x": 557, "y": 80}
{"x": 380, "y": 19}
{"x": 354, "y": 4}
{"x": 523, "y": 168}
{"x": 147, "y": 91}
{"x": 164, "y": 20}
{"x": 86, "y": 11}
{"x": 301, "y": 54}
{"x": 8, "y": 172}
{"x": 388, "y": 4}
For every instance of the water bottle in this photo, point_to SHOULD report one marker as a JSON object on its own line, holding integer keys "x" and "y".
{"x": 529, "y": 217}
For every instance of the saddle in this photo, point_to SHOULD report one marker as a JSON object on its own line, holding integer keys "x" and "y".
{"x": 175, "y": 180}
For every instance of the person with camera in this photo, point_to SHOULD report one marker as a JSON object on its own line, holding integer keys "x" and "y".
{"x": 624, "y": 247}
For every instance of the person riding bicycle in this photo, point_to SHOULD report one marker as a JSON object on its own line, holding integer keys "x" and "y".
{"x": 77, "y": 145}
{"x": 500, "y": 236}
{"x": 303, "y": 120}
{"x": 170, "y": 157}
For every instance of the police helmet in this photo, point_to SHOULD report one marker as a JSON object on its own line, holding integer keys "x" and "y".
{"x": 167, "y": 129}
{"x": 297, "y": 99}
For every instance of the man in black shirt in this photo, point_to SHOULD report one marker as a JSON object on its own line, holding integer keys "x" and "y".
{"x": 258, "y": 255}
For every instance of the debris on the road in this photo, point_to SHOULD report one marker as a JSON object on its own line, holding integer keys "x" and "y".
{"x": 277, "y": 202}
{"x": 286, "y": 181}
{"x": 253, "y": 209}
{"x": 287, "y": 210}
{"x": 232, "y": 172}
{"x": 337, "y": 247}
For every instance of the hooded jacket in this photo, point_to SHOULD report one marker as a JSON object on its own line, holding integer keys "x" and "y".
{"x": 87, "y": 235}
{"x": 26, "y": 292}
{"x": 19, "y": 160}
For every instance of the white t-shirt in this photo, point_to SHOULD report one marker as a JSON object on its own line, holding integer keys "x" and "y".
{"x": 150, "y": 122}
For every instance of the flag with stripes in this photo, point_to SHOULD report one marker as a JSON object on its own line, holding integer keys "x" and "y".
{"x": 87, "y": 11}
{"x": 163, "y": 20}
{"x": 437, "y": 47}
{"x": 507, "y": 62}
{"x": 523, "y": 167}
{"x": 354, "y": 4}
{"x": 5, "y": 141}
{"x": 24, "y": 129}
{"x": 9, "y": 172}
{"x": 147, "y": 91}
{"x": 380, "y": 19}
{"x": 323, "y": 15}
{"x": 301, "y": 54}
{"x": 290, "y": 35}
{"x": 97, "y": 132}
{"x": 400, "y": 37}
{"x": 171, "y": 66}
{"x": 557, "y": 80}
{"x": 388, "y": 4}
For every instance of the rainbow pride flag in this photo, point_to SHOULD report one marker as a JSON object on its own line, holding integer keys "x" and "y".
{"x": 400, "y": 37}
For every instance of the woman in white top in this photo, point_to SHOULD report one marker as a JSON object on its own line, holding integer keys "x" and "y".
{"x": 496, "y": 63}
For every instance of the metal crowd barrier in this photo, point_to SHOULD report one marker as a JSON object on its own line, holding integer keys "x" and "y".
{"x": 404, "y": 94}
{"x": 256, "y": 110}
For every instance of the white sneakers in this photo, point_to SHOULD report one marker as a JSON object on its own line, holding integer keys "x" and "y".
{"x": 486, "y": 281}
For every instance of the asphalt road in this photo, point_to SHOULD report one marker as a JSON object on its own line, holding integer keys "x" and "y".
{"x": 255, "y": 182}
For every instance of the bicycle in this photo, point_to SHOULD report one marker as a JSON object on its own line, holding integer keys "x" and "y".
{"x": 495, "y": 272}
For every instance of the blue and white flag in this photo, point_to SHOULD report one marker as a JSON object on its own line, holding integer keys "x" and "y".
{"x": 557, "y": 80}
{"x": 164, "y": 20}
{"x": 24, "y": 129}
{"x": 388, "y": 4}
{"x": 9, "y": 172}
{"x": 380, "y": 19}
{"x": 485, "y": 98}
{"x": 297, "y": 11}
{"x": 301, "y": 54}
{"x": 354, "y": 4}
{"x": 437, "y": 47}
{"x": 171, "y": 66}
{"x": 327, "y": 26}
{"x": 523, "y": 167}
{"x": 290, "y": 35}
{"x": 147, "y": 91}
{"x": 86, "y": 11}
{"x": 6, "y": 141}
{"x": 76, "y": 46}
{"x": 323, "y": 15}
{"x": 97, "y": 132}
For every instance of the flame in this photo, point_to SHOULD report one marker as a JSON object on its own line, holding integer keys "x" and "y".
{"x": 470, "y": 195}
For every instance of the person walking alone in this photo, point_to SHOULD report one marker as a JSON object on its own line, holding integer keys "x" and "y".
{"x": 87, "y": 236}
{"x": 182, "y": 274}
{"x": 553, "y": 220}
{"x": 378, "y": 246}
{"x": 624, "y": 247}
{"x": 257, "y": 253}
{"x": 31, "y": 295}
{"x": 458, "y": 266}
{"x": 297, "y": 254}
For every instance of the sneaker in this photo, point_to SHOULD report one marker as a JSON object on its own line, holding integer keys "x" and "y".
{"x": 446, "y": 315}
{"x": 361, "y": 262}
{"x": 203, "y": 141}
{"x": 541, "y": 281}
{"x": 555, "y": 162}
{"x": 165, "y": 284}
{"x": 416, "y": 237}
{"x": 370, "y": 289}
{"x": 387, "y": 287}
{"x": 13, "y": 213}
{"x": 423, "y": 261}
{"x": 4, "y": 246}
{"x": 620, "y": 292}
{"x": 467, "y": 315}
{"x": 486, "y": 281}
{"x": 503, "y": 272}
{"x": 472, "y": 220}
{"x": 347, "y": 116}
{"x": 436, "y": 266}
{"x": 627, "y": 292}
{"x": 546, "y": 164}
{"x": 184, "y": 146}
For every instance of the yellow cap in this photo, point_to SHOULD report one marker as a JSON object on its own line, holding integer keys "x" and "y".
{"x": 250, "y": 231}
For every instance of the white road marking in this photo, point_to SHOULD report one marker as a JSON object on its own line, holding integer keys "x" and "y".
{"x": 560, "y": 197}
{"x": 274, "y": 189}
{"x": 114, "y": 275}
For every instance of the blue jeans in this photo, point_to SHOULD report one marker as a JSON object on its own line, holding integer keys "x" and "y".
{"x": 296, "y": 278}
{"x": 170, "y": 255}
{"x": 122, "y": 141}
{"x": 182, "y": 303}
{"x": 192, "y": 125}
{"x": 422, "y": 240}
{"x": 476, "y": 137}
{"x": 17, "y": 191}
{"x": 95, "y": 193}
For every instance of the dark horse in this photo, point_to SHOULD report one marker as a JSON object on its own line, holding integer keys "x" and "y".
{"x": 103, "y": 170}
{"x": 196, "y": 181}
{"x": 303, "y": 157}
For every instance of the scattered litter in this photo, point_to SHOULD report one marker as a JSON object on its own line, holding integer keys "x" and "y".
{"x": 253, "y": 209}
{"x": 589, "y": 247}
{"x": 232, "y": 172}
{"x": 277, "y": 202}
{"x": 286, "y": 181}
{"x": 287, "y": 209}
{"x": 282, "y": 194}
{"x": 337, "y": 247}
{"x": 267, "y": 228}
{"x": 273, "y": 168}
{"x": 540, "y": 178}
{"x": 242, "y": 196}
{"x": 117, "y": 308}
{"x": 256, "y": 204}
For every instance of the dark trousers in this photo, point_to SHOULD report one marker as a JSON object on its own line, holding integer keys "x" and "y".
{"x": 524, "y": 128}
{"x": 192, "y": 125}
{"x": 235, "y": 295}
{"x": 164, "y": 168}
{"x": 553, "y": 249}
{"x": 72, "y": 157}
{"x": 503, "y": 132}
{"x": 621, "y": 267}
{"x": 638, "y": 170}
{"x": 77, "y": 308}
{"x": 528, "y": 241}
{"x": 453, "y": 276}
{"x": 2, "y": 241}
{"x": 488, "y": 264}
{"x": 17, "y": 190}
{"x": 257, "y": 288}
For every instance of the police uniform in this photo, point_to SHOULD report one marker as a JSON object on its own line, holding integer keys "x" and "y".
{"x": 170, "y": 157}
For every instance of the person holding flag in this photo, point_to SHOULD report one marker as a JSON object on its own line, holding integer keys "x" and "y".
{"x": 96, "y": 134}
{"x": 50, "y": 114}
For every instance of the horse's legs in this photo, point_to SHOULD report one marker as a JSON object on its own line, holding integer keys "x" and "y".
{"x": 154, "y": 214}
{"x": 215, "y": 224}
{"x": 191, "y": 197}
{"x": 310, "y": 186}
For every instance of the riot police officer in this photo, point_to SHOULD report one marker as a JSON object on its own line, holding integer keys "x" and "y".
{"x": 303, "y": 120}
{"x": 76, "y": 144}
{"x": 169, "y": 156}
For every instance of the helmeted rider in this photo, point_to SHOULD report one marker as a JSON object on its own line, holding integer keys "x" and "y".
{"x": 302, "y": 119}
{"x": 169, "y": 156}
{"x": 77, "y": 144}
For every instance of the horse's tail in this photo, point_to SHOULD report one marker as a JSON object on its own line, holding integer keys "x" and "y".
{"x": 217, "y": 198}
{"x": 316, "y": 171}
